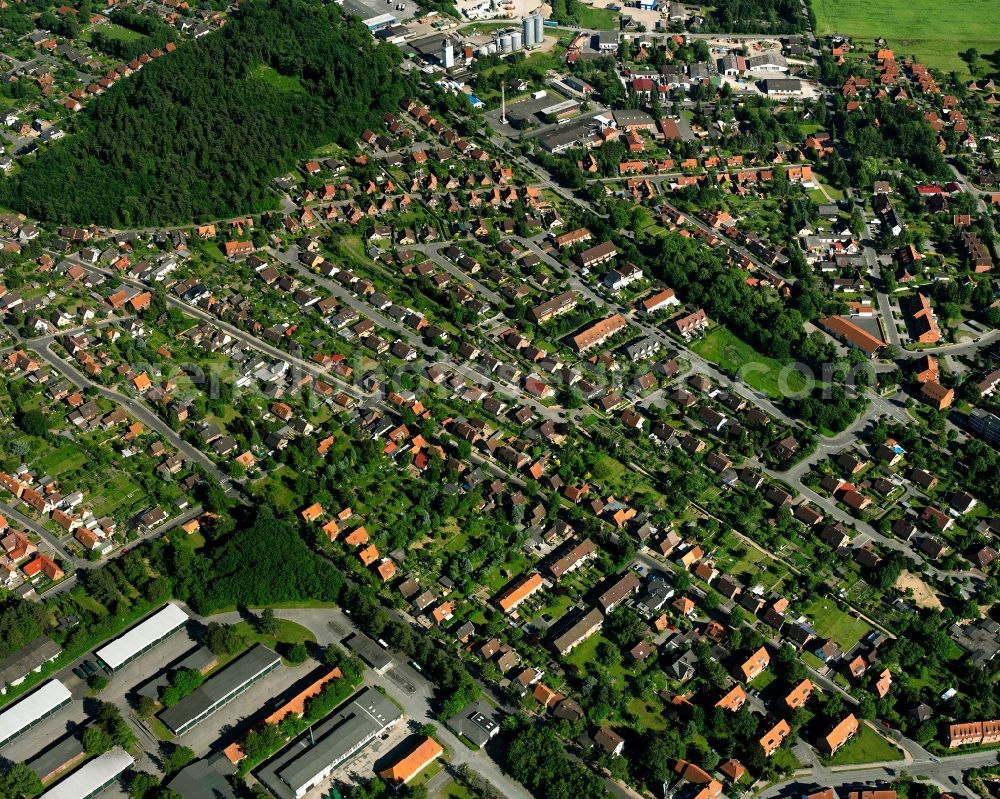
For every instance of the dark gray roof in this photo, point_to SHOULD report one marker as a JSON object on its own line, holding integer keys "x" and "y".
{"x": 28, "y": 658}
{"x": 204, "y": 779}
{"x": 220, "y": 686}
{"x": 336, "y": 739}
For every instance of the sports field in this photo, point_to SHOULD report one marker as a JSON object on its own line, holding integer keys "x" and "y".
{"x": 935, "y": 31}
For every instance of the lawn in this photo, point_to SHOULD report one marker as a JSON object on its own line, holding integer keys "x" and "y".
{"x": 785, "y": 758}
{"x": 763, "y": 680}
{"x": 650, "y": 715}
{"x": 287, "y": 634}
{"x": 760, "y": 569}
{"x": 117, "y": 32}
{"x": 735, "y": 356}
{"x": 867, "y": 746}
{"x": 64, "y": 457}
{"x": 933, "y": 31}
{"x": 455, "y": 790}
{"x": 484, "y": 27}
{"x": 283, "y": 83}
{"x": 597, "y": 18}
{"x": 556, "y": 607}
{"x": 832, "y": 622}
{"x": 586, "y": 653}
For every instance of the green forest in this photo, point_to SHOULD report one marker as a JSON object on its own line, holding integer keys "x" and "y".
{"x": 198, "y": 134}
{"x": 757, "y": 16}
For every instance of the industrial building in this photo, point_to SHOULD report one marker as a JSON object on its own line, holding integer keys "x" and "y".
{"x": 32, "y": 709}
{"x": 144, "y": 636}
{"x": 92, "y": 777}
{"x": 313, "y": 756}
{"x": 447, "y": 57}
{"x": 57, "y": 758}
{"x": 199, "y": 659}
{"x": 220, "y": 689}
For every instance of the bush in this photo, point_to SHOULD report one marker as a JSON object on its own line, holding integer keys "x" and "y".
{"x": 296, "y": 653}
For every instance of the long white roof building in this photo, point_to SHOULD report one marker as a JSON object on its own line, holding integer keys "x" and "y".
{"x": 143, "y": 637}
{"x": 32, "y": 709}
{"x": 92, "y": 777}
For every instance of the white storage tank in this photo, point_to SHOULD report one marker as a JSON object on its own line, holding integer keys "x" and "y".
{"x": 539, "y": 23}
{"x": 515, "y": 40}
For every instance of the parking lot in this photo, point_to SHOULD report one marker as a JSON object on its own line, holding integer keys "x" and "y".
{"x": 366, "y": 9}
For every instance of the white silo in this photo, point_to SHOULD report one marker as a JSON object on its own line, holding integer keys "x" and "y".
{"x": 515, "y": 41}
{"x": 447, "y": 54}
{"x": 527, "y": 31}
{"x": 504, "y": 42}
{"x": 539, "y": 24}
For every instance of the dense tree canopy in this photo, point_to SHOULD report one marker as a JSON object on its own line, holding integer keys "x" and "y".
{"x": 200, "y": 132}
{"x": 536, "y": 759}
{"x": 20, "y": 623}
{"x": 266, "y": 563}
{"x": 757, "y": 16}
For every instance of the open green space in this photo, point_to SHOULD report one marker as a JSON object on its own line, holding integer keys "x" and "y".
{"x": 649, "y": 714}
{"x": 485, "y": 27}
{"x": 786, "y": 760}
{"x": 586, "y": 654}
{"x": 286, "y": 632}
{"x": 277, "y": 81}
{"x": 866, "y": 746}
{"x": 933, "y": 31}
{"x": 111, "y": 31}
{"x": 831, "y": 622}
{"x": 596, "y": 18}
{"x": 758, "y": 371}
{"x": 456, "y": 790}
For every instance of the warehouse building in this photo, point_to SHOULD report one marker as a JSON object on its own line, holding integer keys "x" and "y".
{"x": 220, "y": 689}
{"x": 311, "y": 758}
{"x": 33, "y": 709}
{"x": 92, "y": 777}
{"x": 144, "y": 636}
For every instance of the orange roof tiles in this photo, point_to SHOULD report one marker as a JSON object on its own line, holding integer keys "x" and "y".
{"x": 401, "y": 772}
{"x": 520, "y": 592}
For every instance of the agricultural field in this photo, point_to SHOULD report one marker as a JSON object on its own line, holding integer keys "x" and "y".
{"x": 933, "y": 31}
